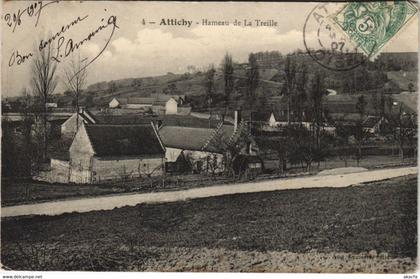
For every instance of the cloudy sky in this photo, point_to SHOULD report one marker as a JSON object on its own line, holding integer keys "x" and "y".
{"x": 136, "y": 49}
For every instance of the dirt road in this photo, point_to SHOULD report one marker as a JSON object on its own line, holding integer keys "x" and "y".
{"x": 111, "y": 202}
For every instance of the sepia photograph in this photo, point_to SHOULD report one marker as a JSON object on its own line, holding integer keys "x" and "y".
{"x": 257, "y": 137}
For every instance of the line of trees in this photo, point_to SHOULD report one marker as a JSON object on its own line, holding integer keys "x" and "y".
{"x": 25, "y": 146}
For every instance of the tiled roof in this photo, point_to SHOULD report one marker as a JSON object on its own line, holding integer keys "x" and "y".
{"x": 124, "y": 140}
{"x": 124, "y": 119}
{"x": 121, "y": 101}
{"x": 155, "y": 99}
{"x": 141, "y": 101}
{"x": 189, "y": 138}
{"x": 184, "y": 137}
{"x": 189, "y": 121}
{"x": 341, "y": 108}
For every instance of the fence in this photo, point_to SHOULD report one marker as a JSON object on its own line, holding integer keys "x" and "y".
{"x": 377, "y": 150}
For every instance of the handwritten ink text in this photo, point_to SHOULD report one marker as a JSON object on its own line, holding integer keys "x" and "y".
{"x": 35, "y": 9}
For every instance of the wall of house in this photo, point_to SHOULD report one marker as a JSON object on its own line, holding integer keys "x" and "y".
{"x": 205, "y": 162}
{"x": 69, "y": 127}
{"x": 60, "y": 171}
{"x": 114, "y": 103}
{"x": 172, "y": 154}
{"x": 123, "y": 167}
{"x": 81, "y": 153}
{"x": 272, "y": 121}
{"x": 171, "y": 107}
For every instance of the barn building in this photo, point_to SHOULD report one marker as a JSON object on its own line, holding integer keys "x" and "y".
{"x": 70, "y": 126}
{"x": 115, "y": 152}
{"x": 203, "y": 150}
{"x": 160, "y": 104}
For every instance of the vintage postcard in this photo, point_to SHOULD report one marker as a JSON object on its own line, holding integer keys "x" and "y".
{"x": 209, "y": 136}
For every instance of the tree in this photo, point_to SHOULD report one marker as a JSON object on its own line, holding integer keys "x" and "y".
{"x": 32, "y": 158}
{"x": 44, "y": 82}
{"x": 375, "y": 103}
{"x": 75, "y": 81}
{"x": 8, "y": 148}
{"x": 402, "y": 128}
{"x": 360, "y": 136}
{"x": 361, "y": 105}
{"x": 382, "y": 104}
{"x": 411, "y": 87}
{"x": 231, "y": 147}
{"x": 252, "y": 78}
{"x": 302, "y": 149}
{"x": 171, "y": 89}
{"x": 289, "y": 84}
{"x": 280, "y": 146}
{"x": 137, "y": 83}
{"x": 89, "y": 101}
{"x": 227, "y": 68}
{"x": 342, "y": 135}
{"x": 301, "y": 98}
{"x": 316, "y": 95}
{"x": 112, "y": 86}
{"x": 209, "y": 84}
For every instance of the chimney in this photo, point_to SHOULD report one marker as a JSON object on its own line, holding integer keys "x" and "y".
{"x": 237, "y": 120}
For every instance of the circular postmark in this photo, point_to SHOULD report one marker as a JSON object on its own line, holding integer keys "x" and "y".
{"x": 329, "y": 48}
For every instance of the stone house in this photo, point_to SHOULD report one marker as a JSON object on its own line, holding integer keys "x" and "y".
{"x": 160, "y": 104}
{"x": 376, "y": 125}
{"x": 131, "y": 103}
{"x": 69, "y": 127}
{"x": 171, "y": 106}
{"x": 115, "y": 103}
{"x": 115, "y": 152}
{"x": 203, "y": 150}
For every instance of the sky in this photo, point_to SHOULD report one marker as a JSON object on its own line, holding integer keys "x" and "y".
{"x": 136, "y": 49}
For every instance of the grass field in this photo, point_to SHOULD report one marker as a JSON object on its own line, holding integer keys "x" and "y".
{"x": 28, "y": 191}
{"x": 379, "y": 216}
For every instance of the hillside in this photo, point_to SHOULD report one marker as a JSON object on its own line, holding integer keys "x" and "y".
{"x": 391, "y": 72}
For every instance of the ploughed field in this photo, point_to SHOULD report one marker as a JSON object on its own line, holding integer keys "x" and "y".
{"x": 368, "y": 228}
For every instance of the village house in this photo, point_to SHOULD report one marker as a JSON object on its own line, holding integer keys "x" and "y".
{"x": 139, "y": 103}
{"x": 157, "y": 103}
{"x": 375, "y": 125}
{"x": 132, "y": 103}
{"x": 274, "y": 121}
{"x": 165, "y": 105}
{"x": 51, "y": 105}
{"x": 115, "y": 103}
{"x": 111, "y": 152}
{"x": 103, "y": 152}
{"x": 70, "y": 126}
{"x": 203, "y": 150}
{"x": 180, "y": 99}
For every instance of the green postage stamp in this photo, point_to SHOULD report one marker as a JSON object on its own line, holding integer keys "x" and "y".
{"x": 371, "y": 25}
